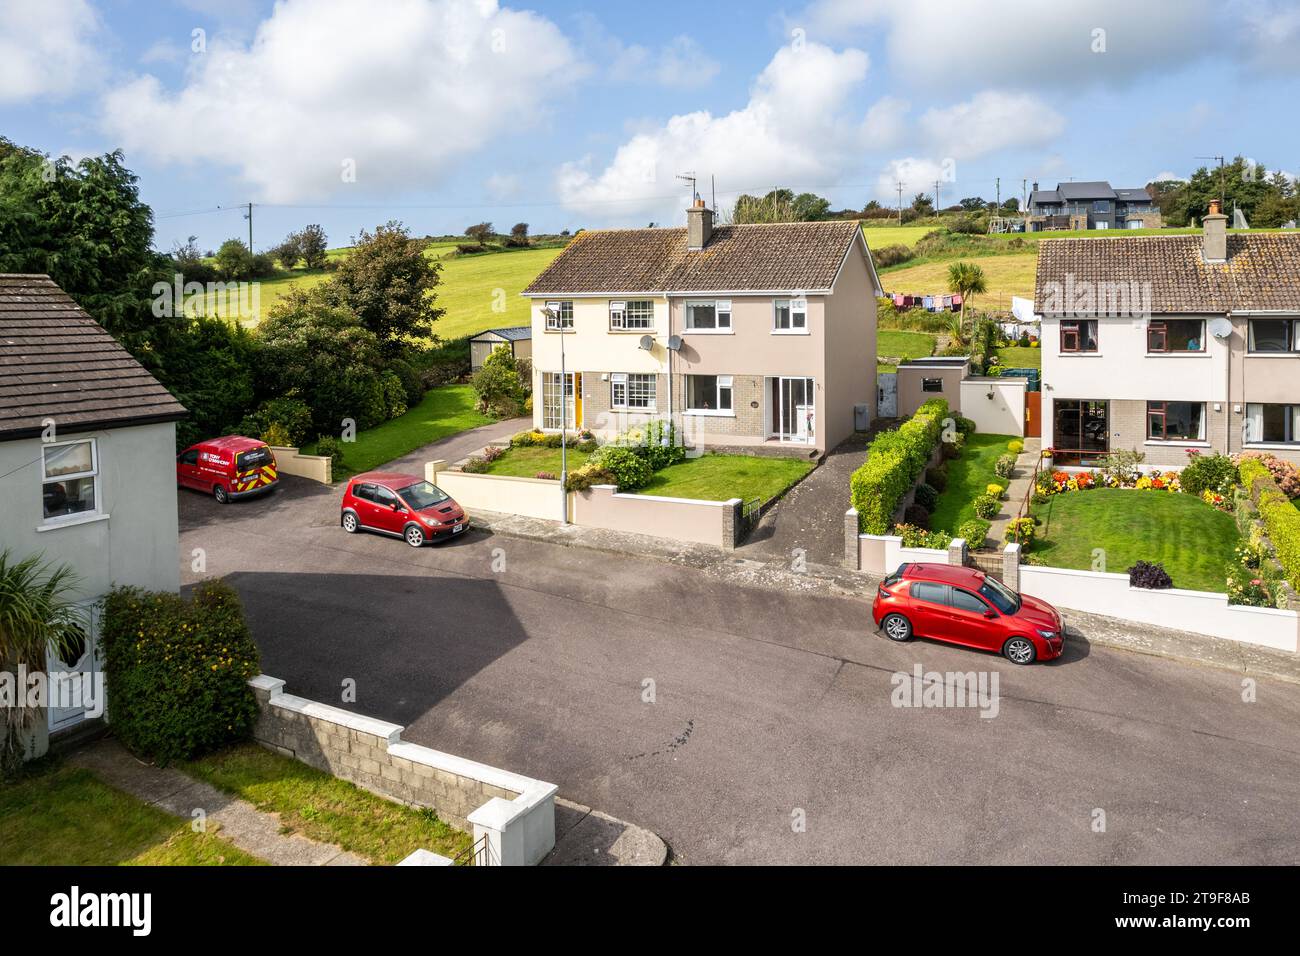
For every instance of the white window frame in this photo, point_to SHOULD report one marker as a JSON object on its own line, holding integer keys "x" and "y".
{"x": 621, "y": 319}
{"x": 1293, "y": 334}
{"x": 1255, "y": 411}
{"x": 568, "y": 405}
{"x": 797, "y": 309}
{"x": 561, "y": 322}
{"x": 720, "y": 308}
{"x": 93, "y": 474}
{"x": 722, "y": 383}
{"x": 622, "y": 382}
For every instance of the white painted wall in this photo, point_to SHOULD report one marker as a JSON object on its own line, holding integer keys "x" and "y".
{"x": 1004, "y": 413}
{"x": 1199, "y": 612}
{"x": 592, "y": 347}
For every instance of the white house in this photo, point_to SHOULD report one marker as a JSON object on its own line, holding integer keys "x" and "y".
{"x": 87, "y": 456}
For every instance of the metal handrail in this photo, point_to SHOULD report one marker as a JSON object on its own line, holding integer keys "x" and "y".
{"x": 476, "y": 854}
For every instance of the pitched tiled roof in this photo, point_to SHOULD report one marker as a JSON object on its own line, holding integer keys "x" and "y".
{"x": 1262, "y": 271}
{"x": 57, "y": 362}
{"x": 787, "y": 256}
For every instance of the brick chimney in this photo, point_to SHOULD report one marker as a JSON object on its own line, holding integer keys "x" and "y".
{"x": 699, "y": 226}
{"x": 1214, "y": 234}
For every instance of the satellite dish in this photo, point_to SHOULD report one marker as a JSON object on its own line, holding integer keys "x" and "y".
{"x": 647, "y": 342}
{"x": 674, "y": 342}
{"x": 1220, "y": 328}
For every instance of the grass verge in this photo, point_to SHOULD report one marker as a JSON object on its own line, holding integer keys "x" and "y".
{"x": 527, "y": 461}
{"x": 721, "y": 477}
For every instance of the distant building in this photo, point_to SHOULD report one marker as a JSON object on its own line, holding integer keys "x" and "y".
{"x": 519, "y": 339}
{"x": 1092, "y": 205}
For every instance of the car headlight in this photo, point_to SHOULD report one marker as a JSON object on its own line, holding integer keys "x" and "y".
{"x": 1047, "y": 635}
{"x": 431, "y": 521}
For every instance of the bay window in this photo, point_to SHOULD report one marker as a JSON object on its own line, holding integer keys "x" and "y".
{"x": 1175, "y": 421}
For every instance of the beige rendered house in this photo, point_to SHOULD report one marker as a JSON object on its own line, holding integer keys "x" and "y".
{"x": 1168, "y": 343}
{"x": 760, "y": 337}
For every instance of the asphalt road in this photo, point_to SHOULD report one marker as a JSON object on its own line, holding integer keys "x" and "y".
{"x": 768, "y": 707}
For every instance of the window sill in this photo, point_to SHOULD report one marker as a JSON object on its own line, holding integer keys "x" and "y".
{"x": 791, "y": 332}
{"x": 1079, "y": 354}
{"x": 633, "y": 410}
{"x": 1160, "y": 443}
{"x": 1278, "y": 355}
{"x": 69, "y": 522}
{"x": 558, "y": 331}
{"x": 1274, "y": 445}
{"x": 710, "y": 413}
{"x": 646, "y": 331}
{"x": 707, "y": 332}
{"x": 1181, "y": 355}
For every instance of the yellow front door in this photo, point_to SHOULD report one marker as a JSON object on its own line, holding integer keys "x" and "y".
{"x": 577, "y": 400}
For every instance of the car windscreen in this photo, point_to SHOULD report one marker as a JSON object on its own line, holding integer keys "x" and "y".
{"x": 1000, "y": 596}
{"x": 422, "y": 495}
{"x": 253, "y": 458}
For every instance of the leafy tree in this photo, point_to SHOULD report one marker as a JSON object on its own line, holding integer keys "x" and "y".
{"x": 871, "y": 206}
{"x": 289, "y": 251}
{"x": 498, "y": 384}
{"x": 972, "y": 204}
{"x": 390, "y": 285}
{"x": 809, "y": 207}
{"x": 967, "y": 279}
{"x": 923, "y": 204}
{"x": 83, "y": 224}
{"x": 312, "y": 246}
{"x": 191, "y": 263}
{"x": 519, "y": 234}
{"x": 37, "y": 612}
{"x": 480, "y": 232}
{"x": 1273, "y": 210}
{"x": 209, "y": 367}
{"x": 318, "y": 350}
{"x": 234, "y": 261}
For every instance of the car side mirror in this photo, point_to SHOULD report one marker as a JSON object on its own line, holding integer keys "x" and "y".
{"x": 397, "y": 506}
{"x": 990, "y": 614}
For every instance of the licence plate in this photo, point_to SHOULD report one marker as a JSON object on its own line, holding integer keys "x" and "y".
{"x": 457, "y": 528}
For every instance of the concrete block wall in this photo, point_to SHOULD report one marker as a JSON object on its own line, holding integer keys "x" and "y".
{"x": 515, "y": 813}
{"x": 290, "y": 461}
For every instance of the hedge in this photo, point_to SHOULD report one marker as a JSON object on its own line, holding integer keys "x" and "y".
{"x": 177, "y": 671}
{"x": 894, "y": 460}
{"x": 1281, "y": 517}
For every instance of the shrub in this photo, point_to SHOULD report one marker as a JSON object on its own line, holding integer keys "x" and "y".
{"x": 177, "y": 670}
{"x": 546, "y": 475}
{"x": 499, "y": 385}
{"x": 586, "y": 445}
{"x": 276, "y": 435}
{"x": 954, "y": 448}
{"x": 1123, "y": 465}
{"x": 394, "y": 394}
{"x": 914, "y": 537}
{"x": 589, "y": 475}
{"x": 1204, "y": 473}
{"x": 1004, "y": 466}
{"x": 475, "y": 465}
{"x": 493, "y": 452}
{"x": 630, "y": 470}
{"x": 926, "y": 496}
{"x": 1020, "y": 530}
{"x": 975, "y": 531}
{"x": 332, "y": 447}
{"x": 527, "y": 439}
{"x": 937, "y": 476}
{"x": 412, "y": 383}
{"x": 887, "y": 256}
{"x": 1283, "y": 472}
{"x": 1151, "y": 576}
{"x": 994, "y": 491}
{"x": 894, "y": 459}
{"x": 986, "y": 506}
{"x": 1015, "y": 446}
{"x": 1281, "y": 517}
{"x": 289, "y": 416}
{"x": 917, "y": 515}
{"x": 965, "y": 427}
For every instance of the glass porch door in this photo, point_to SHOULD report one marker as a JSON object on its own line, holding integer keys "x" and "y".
{"x": 1081, "y": 432}
{"x": 794, "y": 409}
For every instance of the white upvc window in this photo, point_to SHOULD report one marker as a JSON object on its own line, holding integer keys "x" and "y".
{"x": 790, "y": 315}
{"x": 632, "y": 391}
{"x": 1272, "y": 424}
{"x": 708, "y": 315}
{"x": 562, "y": 317}
{"x": 633, "y": 315}
{"x": 69, "y": 480}
{"x": 709, "y": 394}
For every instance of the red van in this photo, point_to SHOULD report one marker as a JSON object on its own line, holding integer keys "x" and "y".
{"x": 228, "y": 468}
{"x": 404, "y": 506}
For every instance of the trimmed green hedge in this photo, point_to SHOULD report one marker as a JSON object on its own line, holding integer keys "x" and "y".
{"x": 894, "y": 460}
{"x": 1281, "y": 517}
{"x": 177, "y": 671}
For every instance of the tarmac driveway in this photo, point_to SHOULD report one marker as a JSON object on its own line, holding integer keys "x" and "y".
{"x": 747, "y": 725}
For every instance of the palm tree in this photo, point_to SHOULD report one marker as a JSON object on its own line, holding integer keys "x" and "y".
{"x": 36, "y": 615}
{"x": 966, "y": 279}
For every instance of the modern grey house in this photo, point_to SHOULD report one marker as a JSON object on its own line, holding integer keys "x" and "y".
{"x": 518, "y": 338}
{"x": 1091, "y": 205}
{"x": 87, "y": 459}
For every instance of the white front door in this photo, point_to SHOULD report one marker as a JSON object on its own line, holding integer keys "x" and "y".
{"x": 71, "y": 683}
{"x": 794, "y": 406}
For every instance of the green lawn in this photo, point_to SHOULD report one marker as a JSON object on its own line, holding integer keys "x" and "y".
{"x": 443, "y": 411}
{"x": 1015, "y": 356}
{"x": 1193, "y": 541}
{"x": 968, "y": 476}
{"x": 65, "y": 816}
{"x": 326, "y": 808}
{"x": 528, "y": 461}
{"x": 720, "y": 477}
{"x": 891, "y": 343}
{"x": 880, "y": 236}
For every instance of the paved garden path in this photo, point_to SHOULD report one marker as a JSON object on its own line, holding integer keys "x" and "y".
{"x": 233, "y": 819}
{"x": 455, "y": 447}
{"x": 1016, "y": 491}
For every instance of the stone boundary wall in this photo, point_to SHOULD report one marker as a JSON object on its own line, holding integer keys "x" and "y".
{"x": 516, "y": 813}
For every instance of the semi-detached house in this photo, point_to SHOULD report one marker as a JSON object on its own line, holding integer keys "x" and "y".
{"x": 1165, "y": 344}
{"x": 747, "y": 336}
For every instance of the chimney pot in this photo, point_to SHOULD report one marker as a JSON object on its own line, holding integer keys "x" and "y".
{"x": 1214, "y": 207}
{"x": 1214, "y": 235}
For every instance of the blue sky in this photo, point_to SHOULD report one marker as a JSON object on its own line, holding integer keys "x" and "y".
{"x": 442, "y": 113}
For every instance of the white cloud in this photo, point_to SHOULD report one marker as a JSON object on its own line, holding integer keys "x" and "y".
{"x": 324, "y": 82}
{"x": 501, "y": 186}
{"x": 990, "y": 121}
{"x": 47, "y": 50}
{"x": 886, "y": 122}
{"x": 1025, "y": 42}
{"x": 1167, "y": 176}
{"x": 162, "y": 51}
{"x": 680, "y": 64}
{"x": 797, "y": 128}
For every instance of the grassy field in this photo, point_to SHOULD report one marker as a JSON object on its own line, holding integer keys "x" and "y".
{"x": 67, "y": 817}
{"x": 1007, "y": 275}
{"x": 891, "y": 343}
{"x": 528, "y": 461}
{"x": 1193, "y": 541}
{"x": 720, "y": 477}
{"x": 325, "y": 808}
{"x": 880, "y": 236}
{"x": 968, "y": 476}
{"x": 443, "y": 411}
{"x": 1014, "y": 356}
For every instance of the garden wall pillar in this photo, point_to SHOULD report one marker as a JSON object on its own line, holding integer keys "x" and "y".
{"x": 431, "y": 469}
{"x": 851, "y": 540}
{"x": 1011, "y": 566}
{"x": 957, "y": 553}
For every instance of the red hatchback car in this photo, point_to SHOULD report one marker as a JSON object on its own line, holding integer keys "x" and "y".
{"x": 964, "y": 606}
{"x": 405, "y": 506}
{"x": 228, "y": 468}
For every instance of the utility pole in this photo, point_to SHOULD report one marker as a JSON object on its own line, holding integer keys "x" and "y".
{"x": 936, "y": 197}
{"x": 999, "y": 185}
{"x": 249, "y": 217}
{"x": 900, "y": 202}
